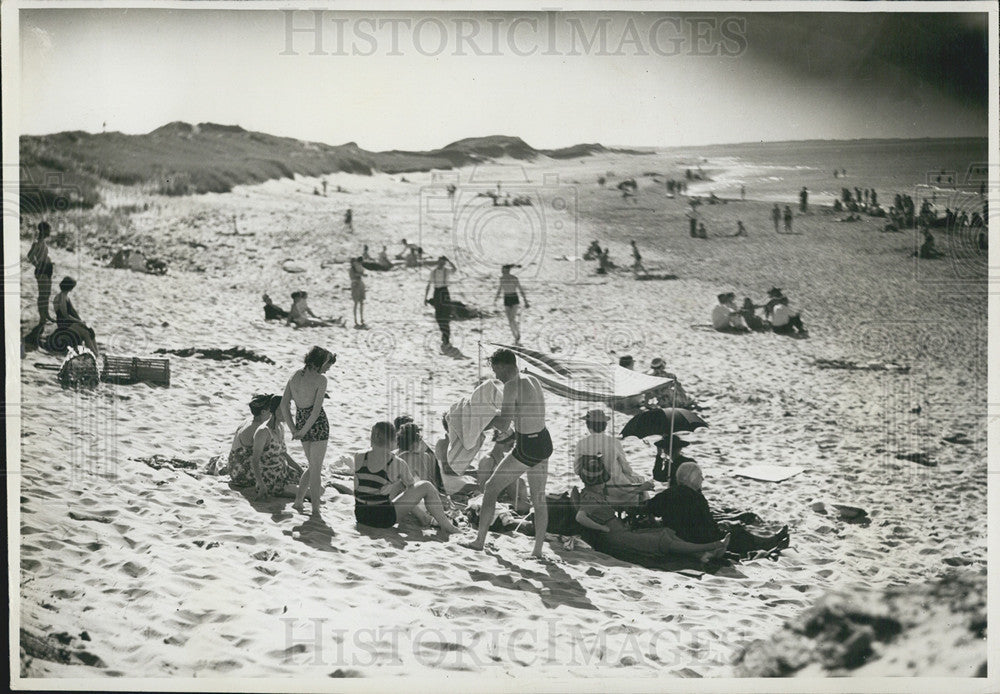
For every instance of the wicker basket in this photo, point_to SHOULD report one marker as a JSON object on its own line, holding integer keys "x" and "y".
{"x": 128, "y": 370}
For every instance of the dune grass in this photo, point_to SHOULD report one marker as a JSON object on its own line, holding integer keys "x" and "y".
{"x": 66, "y": 170}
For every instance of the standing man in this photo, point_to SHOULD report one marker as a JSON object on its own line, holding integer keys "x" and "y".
{"x": 788, "y": 219}
{"x": 38, "y": 256}
{"x": 510, "y": 286}
{"x": 524, "y": 405}
{"x": 776, "y": 218}
{"x": 442, "y": 298}
{"x": 803, "y": 200}
{"x": 349, "y": 220}
{"x": 692, "y": 215}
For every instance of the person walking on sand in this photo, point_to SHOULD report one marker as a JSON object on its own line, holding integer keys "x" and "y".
{"x": 441, "y": 301}
{"x": 349, "y": 219}
{"x": 788, "y": 219}
{"x": 38, "y": 256}
{"x": 524, "y": 405}
{"x": 743, "y": 192}
{"x": 510, "y": 287}
{"x": 357, "y": 272}
{"x": 306, "y": 388}
{"x": 637, "y": 265}
{"x": 385, "y": 490}
{"x": 803, "y": 200}
{"x": 692, "y": 215}
{"x": 776, "y": 218}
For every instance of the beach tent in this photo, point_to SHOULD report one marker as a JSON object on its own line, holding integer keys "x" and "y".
{"x": 621, "y": 389}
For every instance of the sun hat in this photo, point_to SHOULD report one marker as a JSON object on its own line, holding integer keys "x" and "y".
{"x": 657, "y": 363}
{"x": 774, "y": 291}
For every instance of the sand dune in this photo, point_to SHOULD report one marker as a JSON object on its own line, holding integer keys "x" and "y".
{"x": 170, "y": 573}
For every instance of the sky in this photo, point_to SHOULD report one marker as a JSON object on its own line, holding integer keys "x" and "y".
{"x": 419, "y": 81}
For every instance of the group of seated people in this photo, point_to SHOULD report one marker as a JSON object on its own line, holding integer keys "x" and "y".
{"x": 299, "y": 315}
{"x": 382, "y": 261}
{"x": 779, "y": 317}
{"x": 398, "y": 474}
{"x": 613, "y": 492}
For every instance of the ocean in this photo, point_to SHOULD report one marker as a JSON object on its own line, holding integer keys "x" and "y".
{"x": 776, "y": 171}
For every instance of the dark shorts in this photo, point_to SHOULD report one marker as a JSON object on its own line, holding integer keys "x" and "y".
{"x": 319, "y": 431}
{"x": 532, "y": 449}
{"x": 510, "y": 300}
{"x": 375, "y": 515}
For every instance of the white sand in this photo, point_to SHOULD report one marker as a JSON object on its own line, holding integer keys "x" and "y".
{"x": 155, "y": 604}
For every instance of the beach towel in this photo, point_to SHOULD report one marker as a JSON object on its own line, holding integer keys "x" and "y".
{"x": 467, "y": 420}
{"x": 768, "y": 473}
{"x": 621, "y": 389}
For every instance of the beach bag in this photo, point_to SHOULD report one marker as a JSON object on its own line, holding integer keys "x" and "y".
{"x": 592, "y": 470}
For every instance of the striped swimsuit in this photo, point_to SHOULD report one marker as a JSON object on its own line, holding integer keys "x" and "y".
{"x": 372, "y": 507}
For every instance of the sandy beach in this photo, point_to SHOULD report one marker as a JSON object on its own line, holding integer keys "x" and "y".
{"x": 159, "y": 570}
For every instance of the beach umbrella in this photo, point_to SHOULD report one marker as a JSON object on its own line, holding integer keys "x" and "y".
{"x": 662, "y": 422}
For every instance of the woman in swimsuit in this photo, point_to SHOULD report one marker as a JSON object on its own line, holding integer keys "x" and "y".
{"x": 273, "y": 469}
{"x": 70, "y": 329}
{"x": 442, "y": 298}
{"x": 357, "y": 273}
{"x": 509, "y": 287}
{"x": 240, "y": 467}
{"x": 415, "y": 453}
{"x": 306, "y": 388}
{"x": 38, "y": 256}
{"x": 384, "y": 488}
{"x": 302, "y": 316}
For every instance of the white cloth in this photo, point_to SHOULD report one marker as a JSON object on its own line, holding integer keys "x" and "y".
{"x": 723, "y": 318}
{"x": 781, "y": 315}
{"x": 467, "y": 420}
{"x": 612, "y": 455}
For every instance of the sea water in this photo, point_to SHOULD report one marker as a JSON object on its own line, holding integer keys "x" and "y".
{"x": 938, "y": 169}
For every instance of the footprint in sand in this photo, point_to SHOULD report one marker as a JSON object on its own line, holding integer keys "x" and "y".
{"x": 133, "y": 570}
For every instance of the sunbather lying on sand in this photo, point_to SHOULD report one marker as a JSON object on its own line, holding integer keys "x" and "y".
{"x": 384, "y": 488}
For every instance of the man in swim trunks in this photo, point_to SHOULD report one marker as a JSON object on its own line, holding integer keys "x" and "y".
{"x": 524, "y": 405}
{"x": 509, "y": 287}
